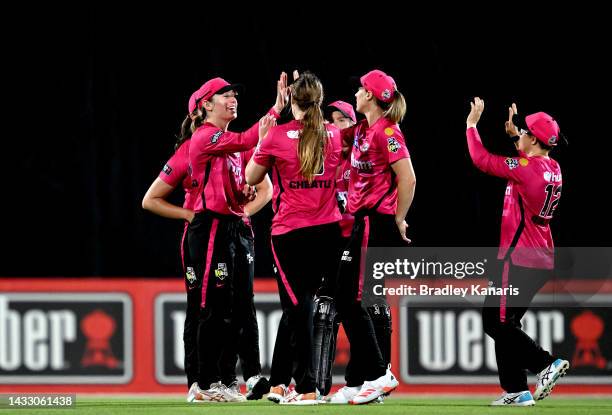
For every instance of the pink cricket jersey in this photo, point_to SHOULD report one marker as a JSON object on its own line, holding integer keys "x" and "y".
{"x": 217, "y": 165}
{"x": 177, "y": 171}
{"x": 372, "y": 179}
{"x": 532, "y": 194}
{"x": 297, "y": 203}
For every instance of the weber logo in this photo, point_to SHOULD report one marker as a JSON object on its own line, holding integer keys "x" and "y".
{"x": 445, "y": 343}
{"x": 62, "y": 338}
{"x": 170, "y": 352}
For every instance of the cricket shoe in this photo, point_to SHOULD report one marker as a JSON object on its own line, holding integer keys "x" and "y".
{"x": 278, "y": 393}
{"x": 296, "y": 398}
{"x": 233, "y": 392}
{"x": 548, "y": 377}
{"x": 257, "y": 386}
{"x": 343, "y": 395}
{"x": 218, "y": 392}
{"x": 523, "y": 398}
{"x": 195, "y": 393}
{"x": 371, "y": 390}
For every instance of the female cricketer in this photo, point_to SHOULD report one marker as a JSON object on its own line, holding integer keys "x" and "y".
{"x": 176, "y": 172}
{"x": 220, "y": 243}
{"x": 303, "y": 155}
{"x": 526, "y": 249}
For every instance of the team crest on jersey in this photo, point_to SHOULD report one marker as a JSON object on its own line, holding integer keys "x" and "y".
{"x": 215, "y": 137}
{"x": 190, "y": 275}
{"x": 221, "y": 271}
{"x": 512, "y": 163}
{"x": 167, "y": 169}
{"x": 393, "y": 145}
{"x": 386, "y": 94}
{"x": 293, "y": 134}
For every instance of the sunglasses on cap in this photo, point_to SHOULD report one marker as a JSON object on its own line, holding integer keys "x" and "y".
{"x": 522, "y": 131}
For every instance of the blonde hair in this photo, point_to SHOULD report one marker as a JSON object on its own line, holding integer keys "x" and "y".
{"x": 307, "y": 94}
{"x": 394, "y": 110}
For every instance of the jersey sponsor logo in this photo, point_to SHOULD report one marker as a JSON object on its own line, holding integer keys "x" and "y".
{"x": 215, "y": 137}
{"x": 512, "y": 163}
{"x": 552, "y": 177}
{"x": 346, "y": 256}
{"x": 389, "y": 131}
{"x": 393, "y": 145}
{"x": 315, "y": 184}
{"x": 293, "y": 134}
{"x": 221, "y": 271}
{"x": 167, "y": 169}
{"x": 361, "y": 165}
{"x": 523, "y": 162}
{"x": 190, "y": 275}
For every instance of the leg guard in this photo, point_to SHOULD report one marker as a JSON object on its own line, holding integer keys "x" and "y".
{"x": 324, "y": 344}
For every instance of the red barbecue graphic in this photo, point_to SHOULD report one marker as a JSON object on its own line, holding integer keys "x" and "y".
{"x": 98, "y": 327}
{"x": 342, "y": 349}
{"x": 587, "y": 328}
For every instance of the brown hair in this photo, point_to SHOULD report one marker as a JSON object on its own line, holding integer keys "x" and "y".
{"x": 188, "y": 126}
{"x": 307, "y": 94}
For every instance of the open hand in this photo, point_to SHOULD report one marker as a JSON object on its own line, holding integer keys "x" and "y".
{"x": 265, "y": 123}
{"x": 282, "y": 93}
{"x": 511, "y": 129}
{"x": 475, "y": 112}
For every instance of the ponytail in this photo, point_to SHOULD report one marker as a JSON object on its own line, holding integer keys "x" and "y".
{"x": 311, "y": 148}
{"x": 394, "y": 110}
{"x": 307, "y": 94}
{"x": 191, "y": 123}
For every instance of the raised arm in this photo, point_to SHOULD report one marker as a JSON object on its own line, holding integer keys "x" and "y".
{"x": 505, "y": 167}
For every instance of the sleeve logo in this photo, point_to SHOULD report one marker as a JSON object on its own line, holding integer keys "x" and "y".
{"x": 393, "y": 145}
{"x": 167, "y": 169}
{"x": 215, "y": 137}
{"x": 512, "y": 163}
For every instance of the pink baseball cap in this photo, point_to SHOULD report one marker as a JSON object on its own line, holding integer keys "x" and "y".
{"x": 345, "y": 108}
{"x": 380, "y": 84}
{"x": 210, "y": 88}
{"x": 543, "y": 127}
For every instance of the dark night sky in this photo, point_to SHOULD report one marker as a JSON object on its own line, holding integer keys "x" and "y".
{"x": 111, "y": 88}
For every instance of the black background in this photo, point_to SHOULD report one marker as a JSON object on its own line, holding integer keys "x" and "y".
{"x": 100, "y": 93}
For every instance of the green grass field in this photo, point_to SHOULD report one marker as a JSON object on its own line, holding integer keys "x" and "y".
{"x": 411, "y": 406}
